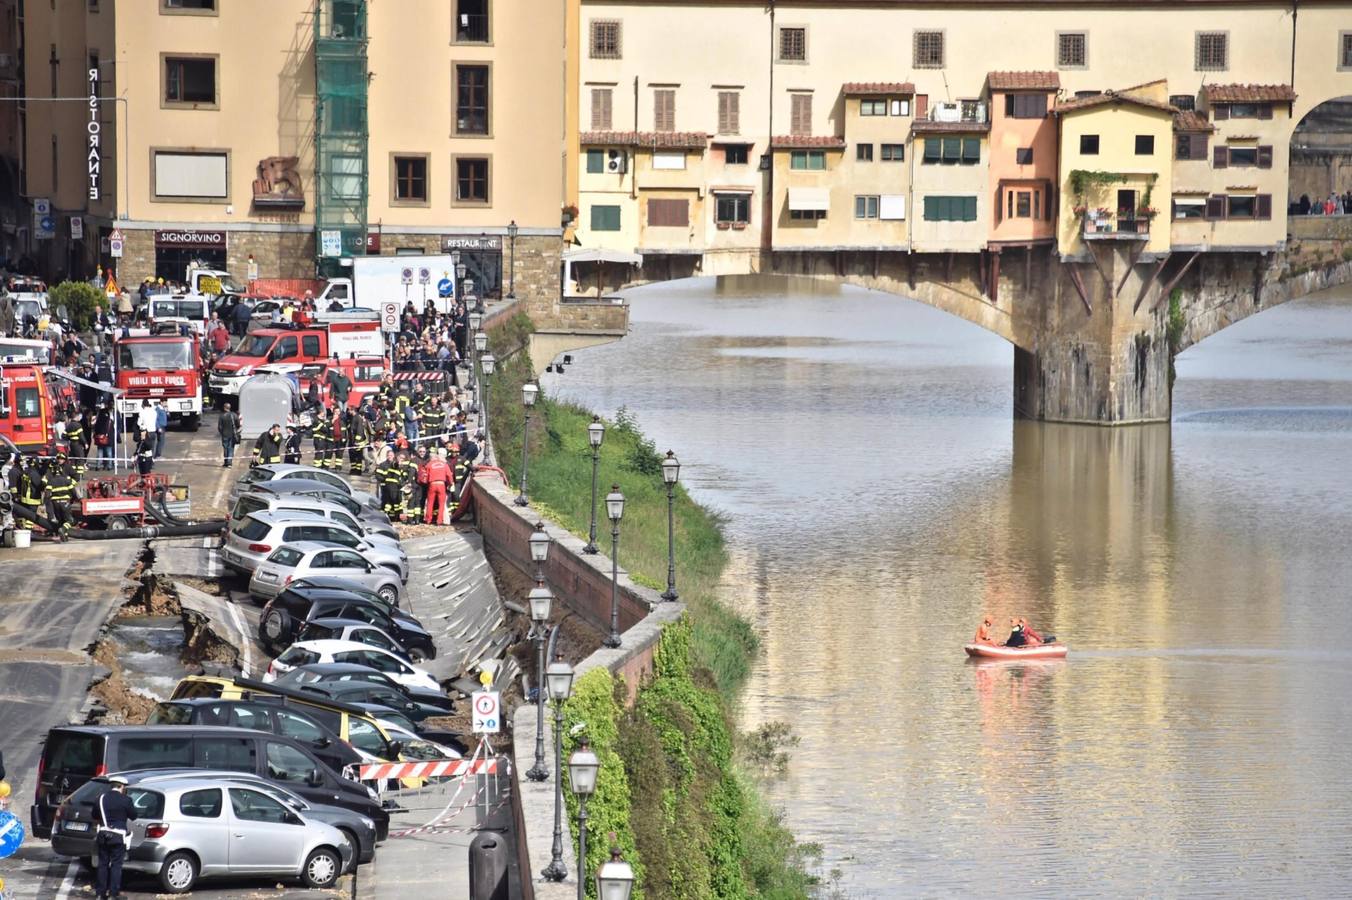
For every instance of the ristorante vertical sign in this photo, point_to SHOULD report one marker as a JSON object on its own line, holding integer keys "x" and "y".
{"x": 94, "y": 128}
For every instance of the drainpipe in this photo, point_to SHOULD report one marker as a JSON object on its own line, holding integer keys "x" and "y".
{"x": 1295, "y": 11}
{"x": 768, "y": 206}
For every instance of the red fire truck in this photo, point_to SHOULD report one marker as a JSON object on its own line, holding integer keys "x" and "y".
{"x": 296, "y": 345}
{"x": 28, "y": 405}
{"x": 161, "y": 367}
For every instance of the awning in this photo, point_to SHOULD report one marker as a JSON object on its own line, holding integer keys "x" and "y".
{"x": 810, "y": 199}
{"x": 98, "y": 386}
{"x": 596, "y": 254}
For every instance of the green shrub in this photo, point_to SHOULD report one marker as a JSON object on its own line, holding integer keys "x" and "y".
{"x": 80, "y": 300}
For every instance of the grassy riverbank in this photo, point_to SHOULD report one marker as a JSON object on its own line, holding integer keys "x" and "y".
{"x": 669, "y": 787}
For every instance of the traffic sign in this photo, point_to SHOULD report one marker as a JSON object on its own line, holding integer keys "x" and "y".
{"x": 424, "y": 275}
{"x": 47, "y": 223}
{"x": 12, "y": 833}
{"x": 406, "y": 275}
{"x": 116, "y": 235}
{"x": 76, "y": 228}
{"x": 115, "y": 247}
{"x": 42, "y": 206}
{"x": 487, "y": 712}
{"x": 445, "y": 288}
{"x": 389, "y": 315}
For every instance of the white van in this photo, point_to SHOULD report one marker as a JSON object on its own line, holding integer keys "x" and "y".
{"x": 193, "y": 309}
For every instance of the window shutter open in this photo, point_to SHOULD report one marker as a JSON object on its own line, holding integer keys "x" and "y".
{"x": 1215, "y": 206}
{"x": 1173, "y": 209}
{"x": 1263, "y": 206}
{"x": 1222, "y": 111}
{"x": 1220, "y": 157}
{"x": 1264, "y": 157}
{"x": 921, "y": 105}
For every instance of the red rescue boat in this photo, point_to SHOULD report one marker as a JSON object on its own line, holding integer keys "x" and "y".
{"x": 999, "y": 651}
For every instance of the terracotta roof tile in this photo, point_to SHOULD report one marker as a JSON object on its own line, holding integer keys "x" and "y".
{"x": 1106, "y": 98}
{"x": 807, "y": 142}
{"x": 1247, "y": 93}
{"x": 929, "y": 126}
{"x": 1024, "y": 81}
{"x": 669, "y": 140}
{"x": 852, "y": 88}
{"x": 1192, "y": 121}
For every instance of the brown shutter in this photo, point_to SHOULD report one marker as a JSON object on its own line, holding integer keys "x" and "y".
{"x": 921, "y": 105}
{"x": 664, "y": 213}
{"x": 1263, "y": 208}
{"x": 999, "y": 207}
{"x": 1264, "y": 157}
{"x": 1222, "y": 111}
{"x": 1047, "y": 211}
{"x": 1198, "y": 149}
{"x": 800, "y": 122}
{"x": 664, "y": 110}
{"x": 601, "y": 109}
{"x": 1215, "y": 206}
{"x": 1265, "y": 110}
{"x": 1220, "y": 157}
{"x": 1173, "y": 210}
{"x": 728, "y": 112}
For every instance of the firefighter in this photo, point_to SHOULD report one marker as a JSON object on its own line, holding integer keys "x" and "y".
{"x": 337, "y": 438}
{"x": 268, "y": 448}
{"x": 412, "y": 486}
{"x": 291, "y": 449}
{"x": 60, "y": 492}
{"x": 358, "y": 436}
{"x": 322, "y": 432}
{"x": 434, "y": 418}
{"x": 461, "y": 468}
{"x": 30, "y": 491}
{"x": 438, "y": 477}
{"x": 389, "y": 477}
{"x": 79, "y": 444}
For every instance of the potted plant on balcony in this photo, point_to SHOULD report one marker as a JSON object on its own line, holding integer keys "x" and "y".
{"x": 739, "y": 226}
{"x": 723, "y": 226}
{"x": 1100, "y": 221}
{"x": 569, "y": 215}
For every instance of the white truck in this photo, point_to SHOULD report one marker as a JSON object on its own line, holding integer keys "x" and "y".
{"x": 213, "y": 282}
{"x": 377, "y": 279}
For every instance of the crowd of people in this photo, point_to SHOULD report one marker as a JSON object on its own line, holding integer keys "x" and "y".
{"x": 1335, "y": 204}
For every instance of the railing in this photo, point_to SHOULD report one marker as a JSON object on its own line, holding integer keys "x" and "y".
{"x": 1105, "y": 226}
{"x": 471, "y": 29}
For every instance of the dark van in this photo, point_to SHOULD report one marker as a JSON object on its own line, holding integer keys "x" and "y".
{"x": 73, "y": 754}
{"x": 259, "y": 715}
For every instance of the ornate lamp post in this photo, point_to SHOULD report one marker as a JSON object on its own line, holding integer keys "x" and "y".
{"x": 540, "y": 602}
{"x": 615, "y": 511}
{"x": 596, "y": 433}
{"x": 615, "y": 878}
{"x": 512, "y": 229}
{"x": 582, "y": 768}
{"x": 488, "y": 362}
{"x": 671, "y": 471}
{"x": 559, "y": 679}
{"x": 529, "y": 391}
{"x": 480, "y": 347}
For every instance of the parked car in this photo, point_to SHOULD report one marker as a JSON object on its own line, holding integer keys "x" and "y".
{"x": 375, "y": 700}
{"x": 307, "y": 556}
{"x": 261, "y": 715}
{"x": 356, "y": 630}
{"x": 203, "y": 827}
{"x": 320, "y": 673}
{"x": 307, "y": 488}
{"x": 418, "y": 747}
{"x": 275, "y": 471}
{"x": 309, "y": 653}
{"x": 260, "y": 501}
{"x": 249, "y": 541}
{"x": 76, "y": 753}
{"x": 305, "y": 600}
{"x": 69, "y": 838}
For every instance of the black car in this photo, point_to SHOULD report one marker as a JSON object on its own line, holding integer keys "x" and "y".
{"x": 260, "y": 715}
{"x": 374, "y": 699}
{"x": 322, "y": 673}
{"x": 326, "y": 629}
{"x": 283, "y": 617}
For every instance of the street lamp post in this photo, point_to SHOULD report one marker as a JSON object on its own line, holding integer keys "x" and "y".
{"x": 671, "y": 471}
{"x": 488, "y": 362}
{"x": 559, "y": 679}
{"x": 582, "y": 769}
{"x": 529, "y": 391}
{"x": 512, "y": 229}
{"x": 480, "y": 347}
{"x": 473, "y": 320}
{"x": 615, "y": 877}
{"x": 540, "y": 602}
{"x": 596, "y": 433}
{"x": 615, "y": 511}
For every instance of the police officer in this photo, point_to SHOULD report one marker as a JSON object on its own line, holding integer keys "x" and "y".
{"x": 292, "y": 447}
{"x": 60, "y": 492}
{"x": 268, "y": 448}
{"x": 111, "y": 813}
{"x": 390, "y": 477}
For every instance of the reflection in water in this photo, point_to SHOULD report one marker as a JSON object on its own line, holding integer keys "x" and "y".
{"x": 881, "y": 500}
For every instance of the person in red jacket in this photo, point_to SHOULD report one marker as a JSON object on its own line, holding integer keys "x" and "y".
{"x": 438, "y": 475}
{"x": 1034, "y": 639}
{"x": 983, "y": 632}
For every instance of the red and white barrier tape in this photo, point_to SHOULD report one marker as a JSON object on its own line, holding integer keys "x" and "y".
{"x": 449, "y": 768}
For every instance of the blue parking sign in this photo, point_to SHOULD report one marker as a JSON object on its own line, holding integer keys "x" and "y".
{"x": 11, "y": 834}
{"x": 445, "y": 288}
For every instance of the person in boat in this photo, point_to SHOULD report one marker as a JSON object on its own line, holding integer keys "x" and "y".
{"x": 1017, "y": 638}
{"x": 983, "y": 632}
{"x": 1033, "y": 638}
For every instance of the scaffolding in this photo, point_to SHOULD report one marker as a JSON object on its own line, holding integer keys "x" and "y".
{"x": 341, "y": 132}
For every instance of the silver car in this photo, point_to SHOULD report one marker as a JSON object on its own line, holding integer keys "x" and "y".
{"x": 249, "y": 541}
{"x": 256, "y": 501}
{"x": 276, "y": 471}
{"x": 307, "y": 559}
{"x": 205, "y": 827}
{"x": 306, "y": 487}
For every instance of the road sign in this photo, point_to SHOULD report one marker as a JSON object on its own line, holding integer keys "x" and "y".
{"x": 115, "y": 247}
{"x": 12, "y": 833}
{"x": 445, "y": 288}
{"x": 116, "y": 235}
{"x": 77, "y": 228}
{"x": 42, "y": 206}
{"x": 406, "y": 275}
{"x": 424, "y": 275}
{"x": 389, "y": 315}
{"x": 487, "y": 712}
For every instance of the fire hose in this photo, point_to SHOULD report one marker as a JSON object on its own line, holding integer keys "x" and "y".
{"x": 153, "y": 531}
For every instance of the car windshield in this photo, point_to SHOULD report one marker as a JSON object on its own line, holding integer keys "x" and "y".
{"x": 170, "y": 355}
{"x": 285, "y": 556}
{"x": 258, "y": 345}
{"x": 149, "y": 804}
{"x": 187, "y": 309}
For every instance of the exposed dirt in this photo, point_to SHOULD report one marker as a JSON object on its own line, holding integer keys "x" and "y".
{"x": 155, "y": 597}
{"x": 124, "y": 705}
{"x": 204, "y": 646}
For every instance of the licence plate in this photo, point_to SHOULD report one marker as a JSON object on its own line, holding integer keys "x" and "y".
{"x": 264, "y": 576}
{"x": 75, "y": 826}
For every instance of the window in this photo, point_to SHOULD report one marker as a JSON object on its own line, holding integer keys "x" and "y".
{"x": 602, "y": 105}
{"x": 807, "y": 159}
{"x": 863, "y": 152}
{"x": 1243, "y": 156}
{"x": 1241, "y": 206}
{"x": 1189, "y": 208}
{"x": 471, "y": 22}
{"x": 189, "y": 79}
{"x": 155, "y": 753}
{"x": 1021, "y": 204}
{"x": 1024, "y": 156}
{"x": 309, "y": 345}
{"x": 1089, "y": 144}
{"x": 364, "y": 736}
{"x": 1072, "y": 49}
{"x": 1243, "y": 110}
{"x": 793, "y": 44}
{"x": 866, "y": 207}
{"x": 410, "y": 179}
{"x": 1190, "y": 146}
{"x": 664, "y": 110}
{"x": 234, "y": 754}
{"x": 928, "y": 50}
{"x": 1185, "y": 102}
{"x": 1345, "y": 50}
{"x": 190, "y": 176}
{"x": 953, "y": 150}
{"x": 345, "y": 177}
{"x": 899, "y": 108}
{"x": 1145, "y": 145}
{"x": 252, "y": 806}
{"x": 605, "y": 39}
{"x": 605, "y": 218}
{"x": 203, "y": 804}
{"x": 735, "y": 154}
{"x": 297, "y": 727}
{"x": 729, "y": 112}
{"x": 286, "y": 763}
{"x": 471, "y": 99}
{"x": 735, "y": 208}
{"x": 471, "y": 180}
{"x": 873, "y": 107}
{"x": 806, "y": 215}
{"x": 669, "y": 160}
{"x": 668, "y": 213}
{"x": 950, "y": 209}
{"x": 596, "y": 162}
{"x": 1080, "y": 95}
{"x": 800, "y": 119}
{"x": 1026, "y": 106}
{"x": 28, "y": 403}
{"x": 894, "y": 152}
{"x": 174, "y": 6}
{"x": 1212, "y": 51}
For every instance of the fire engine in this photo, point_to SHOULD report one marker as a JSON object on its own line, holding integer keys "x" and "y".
{"x": 161, "y": 367}
{"x": 296, "y": 345}
{"x": 28, "y": 404}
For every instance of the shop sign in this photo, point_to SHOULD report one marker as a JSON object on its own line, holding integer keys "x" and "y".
{"x": 330, "y": 243}
{"x": 373, "y": 243}
{"x": 190, "y": 239}
{"x": 93, "y": 129}
{"x": 471, "y": 242}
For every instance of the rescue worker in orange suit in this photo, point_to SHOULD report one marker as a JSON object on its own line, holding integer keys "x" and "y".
{"x": 439, "y": 480}
{"x": 983, "y": 632}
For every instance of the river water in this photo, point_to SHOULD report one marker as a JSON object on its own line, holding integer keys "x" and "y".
{"x": 881, "y": 498}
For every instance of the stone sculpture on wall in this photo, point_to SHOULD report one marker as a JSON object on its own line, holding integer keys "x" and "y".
{"x": 278, "y": 185}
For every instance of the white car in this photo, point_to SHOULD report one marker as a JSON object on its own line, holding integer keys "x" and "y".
{"x": 249, "y": 541}
{"x": 277, "y": 471}
{"x": 308, "y": 653}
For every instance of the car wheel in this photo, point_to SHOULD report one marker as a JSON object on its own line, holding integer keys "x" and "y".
{"x": 274, "y": 628}
{"x": 389, "y": 593}
{"x": 322, "y": 868}
{"x": 417, "y": 655}
{"x": 118, "y": 523}
{"x": 179, "y": 872}
{"x": 356, "y": 849}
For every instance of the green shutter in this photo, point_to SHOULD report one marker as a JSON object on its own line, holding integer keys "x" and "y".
{"x": 931, "y": 209}
{"x": 971, "y": 150}
{"x": 605, "y": 218}
{"x": 968, "y": 209}
{"x": 932, "y": 149}
{"x": 596, "y": 162}
{"x": 952, "y": 149}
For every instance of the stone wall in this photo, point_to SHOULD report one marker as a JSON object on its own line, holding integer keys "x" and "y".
{"x": 279, "y": 254}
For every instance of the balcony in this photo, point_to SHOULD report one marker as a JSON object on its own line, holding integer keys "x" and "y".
{"x": 1126, "y": 225}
